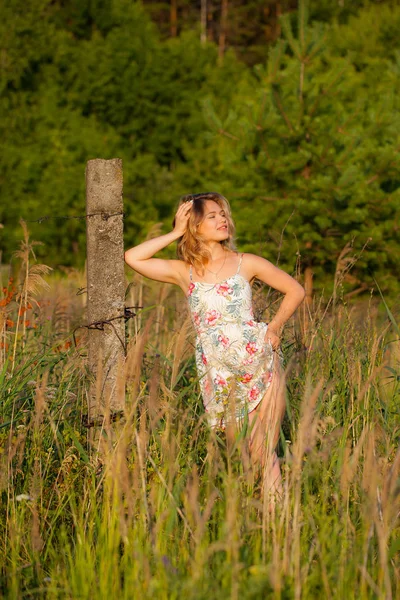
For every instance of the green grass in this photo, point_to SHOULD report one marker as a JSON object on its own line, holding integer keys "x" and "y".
{"x": 157, "y": 506}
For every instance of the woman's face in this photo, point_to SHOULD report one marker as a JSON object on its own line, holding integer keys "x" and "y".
{"x": 214, "y": 226}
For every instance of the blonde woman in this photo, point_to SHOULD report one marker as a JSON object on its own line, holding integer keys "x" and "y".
{"x": 240, "y": 374}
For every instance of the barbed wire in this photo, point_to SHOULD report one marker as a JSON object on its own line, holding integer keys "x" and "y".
{"x": 105, "y": 216}
{"x": 128, "y": 310}
{"x": 99, "y": 325}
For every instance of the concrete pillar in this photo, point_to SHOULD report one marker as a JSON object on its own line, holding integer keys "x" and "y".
{"x": 105, "y": 285}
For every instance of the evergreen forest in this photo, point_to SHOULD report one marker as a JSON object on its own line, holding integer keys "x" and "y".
{"x": 291, "y": 112}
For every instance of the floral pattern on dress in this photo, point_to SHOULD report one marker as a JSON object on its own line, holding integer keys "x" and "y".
{"x": 223, "y": 289}
{"x": 234, "y": 363}
{"x": 211, "y": 317}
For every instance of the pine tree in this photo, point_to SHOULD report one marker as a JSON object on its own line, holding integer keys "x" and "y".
{"x": 316, "y": 135}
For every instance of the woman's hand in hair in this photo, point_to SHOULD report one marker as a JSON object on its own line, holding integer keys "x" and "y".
{"x": 182, "y": 217}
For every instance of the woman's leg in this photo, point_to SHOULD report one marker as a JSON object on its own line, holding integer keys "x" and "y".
{"x": 264, "y": 424}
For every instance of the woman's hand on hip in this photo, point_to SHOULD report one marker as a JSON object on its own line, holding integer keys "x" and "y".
{"x": 274, "y": 339}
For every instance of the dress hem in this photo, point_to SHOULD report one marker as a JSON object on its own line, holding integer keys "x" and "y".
{"x": 237, "y": 419}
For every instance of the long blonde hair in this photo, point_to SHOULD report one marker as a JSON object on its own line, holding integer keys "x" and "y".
{"x": 191, "y": 247}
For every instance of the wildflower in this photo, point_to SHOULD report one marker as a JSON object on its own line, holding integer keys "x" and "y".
{"x": 22, "y": 497}
{"x": 6, "y": 300}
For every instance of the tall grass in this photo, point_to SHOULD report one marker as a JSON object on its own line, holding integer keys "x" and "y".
{"x": 167, "y": 508}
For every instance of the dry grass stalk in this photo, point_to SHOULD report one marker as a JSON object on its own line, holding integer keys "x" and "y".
{"x": 178, "y": 348}
{"x": 164, "y": 290}
{"x": 350, "y": 463}
{"x": 165, "y": 487}
{"x": 133, "y": 363}
{"x": 306, "y": 435}
{"x": 32, "y": 282}
{"x": 344, "y": 265}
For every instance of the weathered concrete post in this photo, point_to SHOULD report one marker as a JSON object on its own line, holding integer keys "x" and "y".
{"x": 105, "y": 285}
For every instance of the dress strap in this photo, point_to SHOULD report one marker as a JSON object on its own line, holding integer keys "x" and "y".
{"x": 190, "y": 273}
{"x": 240, "y": 264}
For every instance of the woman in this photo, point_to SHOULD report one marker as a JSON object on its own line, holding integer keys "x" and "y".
{"x": 240, "y": 375}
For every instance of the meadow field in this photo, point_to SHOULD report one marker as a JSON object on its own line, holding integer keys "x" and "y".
{"x": 153, "y": 504}
{"x": 291, "y": 110}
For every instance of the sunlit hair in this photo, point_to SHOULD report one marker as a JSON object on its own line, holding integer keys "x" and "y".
{"x": 191, "y": 247}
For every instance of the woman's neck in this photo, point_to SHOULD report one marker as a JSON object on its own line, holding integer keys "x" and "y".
{"x": 217, "y": 250}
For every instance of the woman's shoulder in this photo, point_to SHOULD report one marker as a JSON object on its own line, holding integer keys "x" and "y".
{"x": 250, "y": 258}
{"x": 252, "y": 263}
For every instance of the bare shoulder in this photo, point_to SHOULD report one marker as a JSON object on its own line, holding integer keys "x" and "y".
{"x": 261, "y": 268}
{"x": 252, "y": 264}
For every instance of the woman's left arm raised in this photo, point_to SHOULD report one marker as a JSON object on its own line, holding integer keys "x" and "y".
{"x": 256, "y": 266}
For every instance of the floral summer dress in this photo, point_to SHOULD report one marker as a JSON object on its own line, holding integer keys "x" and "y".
{"x": 231, "y": 354}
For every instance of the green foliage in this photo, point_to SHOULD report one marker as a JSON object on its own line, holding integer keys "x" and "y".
{"x": 304, "y": 144}
{"x": 317, "y": 138}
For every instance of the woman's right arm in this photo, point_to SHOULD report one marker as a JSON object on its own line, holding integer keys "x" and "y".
{"x": 140, "y": 258}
